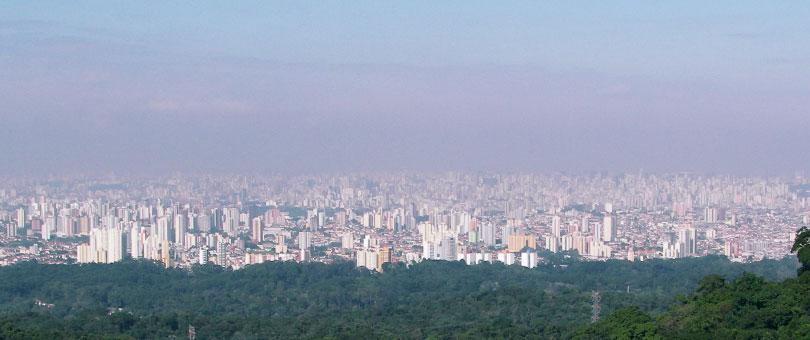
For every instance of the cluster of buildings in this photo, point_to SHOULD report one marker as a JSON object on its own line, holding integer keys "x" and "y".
{"x": 234, "y": 221}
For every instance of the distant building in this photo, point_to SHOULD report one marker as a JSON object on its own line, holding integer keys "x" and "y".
{"x": 304, "y": 240}
{"x": 488, "y": 234}
{"x": 555, "y": 226}
{"x": 528, "y": 259}
{"x": 221, "y": 254}
{"x": 347, "y": 241}
{"x": 609, "y": 229}
{"x": 447, "y": 249}
{"x": 256, "y": 229}
{"x": 552, "y": 244}
{"x": 516, "y": 242}
{"x": 203, "y": 255}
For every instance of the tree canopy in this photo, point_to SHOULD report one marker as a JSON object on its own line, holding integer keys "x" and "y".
{"x": 747, "y": 307}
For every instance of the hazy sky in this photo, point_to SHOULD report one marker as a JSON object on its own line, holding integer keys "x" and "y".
{"x": 296, "y": 86}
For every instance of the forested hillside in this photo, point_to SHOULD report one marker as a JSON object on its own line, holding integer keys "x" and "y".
{"x": 284, "y": 300}
{"x": 748, "y": 307}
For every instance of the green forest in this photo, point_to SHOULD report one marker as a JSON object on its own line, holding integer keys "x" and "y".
{"x": 428, "y": 300}
{"x": 748, "y": 307}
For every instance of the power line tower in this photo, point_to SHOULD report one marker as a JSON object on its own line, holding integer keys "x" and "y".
{"x": 596, "y": 308}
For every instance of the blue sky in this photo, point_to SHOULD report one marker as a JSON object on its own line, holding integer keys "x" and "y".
{"x": 333, "y": 86}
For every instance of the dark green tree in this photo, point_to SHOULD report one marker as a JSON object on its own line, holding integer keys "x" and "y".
{"x": 802, "y": 248}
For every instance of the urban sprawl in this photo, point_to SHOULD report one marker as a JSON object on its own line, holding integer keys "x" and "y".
{"x": 235, "y": 221}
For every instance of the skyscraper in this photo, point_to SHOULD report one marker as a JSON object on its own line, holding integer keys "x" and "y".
{"x": 304, "y": 240}
{"x": 114, "y": 245}
{"x": 555, "y": 226}
{"x": 203, "y": 256}
{"x": 687, "y": 243}
{"x": 180, "y": 229}
{"x": 447, "y": 249}
{"x": 488, "y": 234}
{"x": 46, "y": 228}
{"x": 347, "y": 241}
{"x": 163, "y": 228}
{"x": 609, "y": 229}
{"x": 164, "y": 253}
{"x": 507, "y": 231}
{"x": 204, "y": 223}
{"x": 384, "y": 256}
{"x": 552, "y": 244}
{"x": 106, "y": 246}
{"x": 221, "y": 255}
{"x": 137, "y": 239}
{"x": 585, "y": 225}
{"x": 256, "y": 229}
{"x": 20, "y": 221}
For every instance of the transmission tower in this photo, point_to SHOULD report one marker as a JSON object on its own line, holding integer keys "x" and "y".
{"x": 596, "y": 308}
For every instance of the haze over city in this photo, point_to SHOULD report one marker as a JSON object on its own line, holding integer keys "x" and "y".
{"x": 416, "y": 170}
{"x": 258, "y": 87}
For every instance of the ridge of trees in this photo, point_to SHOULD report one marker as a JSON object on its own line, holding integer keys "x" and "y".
{"x": 287, "y": 300}
{"x": 747, "y": 307}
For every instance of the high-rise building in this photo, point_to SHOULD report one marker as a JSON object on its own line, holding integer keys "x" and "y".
{"x": 340, "y": 217}
{"x": 552, "y": 244}
{"x": 84, "y": 225}
{"x": 256, "y": 229}
{"x": 304, "y": 255}
{"x": 585, "y": 226}
{"x": 221, "y": 254}
{"x": 20, "y": 220}
{"x": 687, "y": 242}
{"x": 164, "y": 253}
{"x": 609, "y": 229}
{"x": 367, "y": 258}
{"x": 506, "y": 258}
{"x": 46, "y": 229}
{"x": 429, "y": 250}
{"x": 163, "y": 228}
{"x": 83, "y": 254}
{"x": 528, "y": 259}
{"x": 36, "y": 225}
{"x": 231, "y": 221}
{"x": 180, "y": 229}
{"x": 384, "y": 256}
{"x": 106, "y": 246}
{"x": 517, "y": 242}
{"x": 378, "y": 221}
{"x": 447, "y": 249}
{"x": 115, "y": 246}
{"x": 135, "y": 245}
{"x": 507, "y": 231}
{"x": 472, "y": 236}
{"x": 203, "y": 255}
{"x": 347, "y": 241}
{"x": 488, "y": 234}
{"x": 555, "y": 226}
{"x": 304, "y": 240}
{"x": 204, "y": 223}
{"x": 713, "y": 215}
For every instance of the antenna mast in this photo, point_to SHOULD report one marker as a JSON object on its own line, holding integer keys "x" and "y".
{"x": 596, "y": 308}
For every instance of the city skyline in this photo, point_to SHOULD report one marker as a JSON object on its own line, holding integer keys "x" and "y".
{"x": 235, "y": 221}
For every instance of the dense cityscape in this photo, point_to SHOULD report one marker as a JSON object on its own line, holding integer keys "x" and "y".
{"x": 373, "y": 219}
